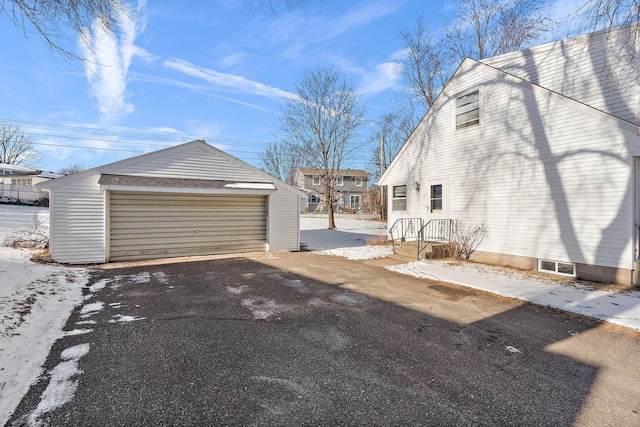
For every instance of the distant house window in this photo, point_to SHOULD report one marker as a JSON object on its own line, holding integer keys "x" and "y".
{"x": 555, "y": 267}
{"x": 316, "y": 180}
{"x": 468, "y": 110}
{"x": 314, "y": 198}
{"x": 399, "y": 201}
{"x": 436, "y": 198}
{"x": 358, "y": 182}
{"x": 354, "y": 201}
{"x": 340, "y": 181}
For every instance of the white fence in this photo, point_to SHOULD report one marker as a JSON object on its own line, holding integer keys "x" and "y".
{"x": 25, "y": 194}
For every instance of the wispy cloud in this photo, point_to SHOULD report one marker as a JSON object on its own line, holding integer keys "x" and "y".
{"x": 384, "y": 76}
{"x": 108, "y": 59}
{"x": 229, "y": 82}
{"x": 301, "y": 30}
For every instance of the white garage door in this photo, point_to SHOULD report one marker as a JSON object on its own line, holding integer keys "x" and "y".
{"x": 155, "y": 225}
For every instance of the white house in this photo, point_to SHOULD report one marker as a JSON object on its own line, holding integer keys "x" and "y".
{"x": 543, "y": 147}
{"x": 190, "y": 199}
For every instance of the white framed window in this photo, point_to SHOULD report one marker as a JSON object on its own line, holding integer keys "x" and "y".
{"x": 340, "y": 181}
{"x": 399, "y": 199}
{"x": 359, "y": 182}
{"x": 557, "y": 267}
{"x": 355, "y": 200}
{"x": 316, "y": 180}
{"x": 468, "y": 109}
{"x": 435, "y": 195}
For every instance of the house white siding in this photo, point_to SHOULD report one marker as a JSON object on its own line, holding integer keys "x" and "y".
{"x": 79, "y": 206}
{"x": 549, "y": 179}
{"x": 594, "y": 69}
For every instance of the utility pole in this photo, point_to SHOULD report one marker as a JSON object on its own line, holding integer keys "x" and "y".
{"x": 383, "y": 165}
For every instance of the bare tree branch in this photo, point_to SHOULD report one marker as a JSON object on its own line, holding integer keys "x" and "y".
{"x": 59, "y": 22}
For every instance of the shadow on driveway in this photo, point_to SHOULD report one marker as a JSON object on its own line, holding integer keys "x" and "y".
{"x": 259, "y": 341}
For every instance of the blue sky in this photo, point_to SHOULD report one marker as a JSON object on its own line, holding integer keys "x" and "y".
{"x": 211, "y": 70}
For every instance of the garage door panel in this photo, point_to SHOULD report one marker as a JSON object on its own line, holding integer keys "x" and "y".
{"x": 146, "y": 225}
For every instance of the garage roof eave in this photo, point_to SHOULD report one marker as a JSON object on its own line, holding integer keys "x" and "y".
{"x": 182, "y": 185}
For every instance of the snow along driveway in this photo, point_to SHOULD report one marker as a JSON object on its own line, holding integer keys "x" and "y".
{"x": 35, "y": 302}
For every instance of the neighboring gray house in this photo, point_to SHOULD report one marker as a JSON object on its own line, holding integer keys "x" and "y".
{"x": 191, "y": 199}
{"x": 543, "y": 147}
{"x": 17, "y": 183}
{"x": 352, "y": 187}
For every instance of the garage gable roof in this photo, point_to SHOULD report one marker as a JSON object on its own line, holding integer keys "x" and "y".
{"x": 122, "y": 166}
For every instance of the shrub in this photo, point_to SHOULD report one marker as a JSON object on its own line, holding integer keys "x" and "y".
{"x": 466, "y": 238}
{"x": 36, "y": 238}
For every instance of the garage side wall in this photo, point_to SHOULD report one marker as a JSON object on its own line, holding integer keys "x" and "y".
{"x": 283, "y": 221}
{"x": 77, "y": 233}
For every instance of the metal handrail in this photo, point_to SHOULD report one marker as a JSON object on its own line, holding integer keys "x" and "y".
{"x": 434, "y": 231}
{"x": 403, "y": 229}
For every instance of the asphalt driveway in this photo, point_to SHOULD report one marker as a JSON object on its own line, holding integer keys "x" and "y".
{"x": 303, "y": 339}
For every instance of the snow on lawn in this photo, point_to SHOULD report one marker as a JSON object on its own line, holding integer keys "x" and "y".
{"x": 35, "y": 302}
{"x": 348, "y": 240}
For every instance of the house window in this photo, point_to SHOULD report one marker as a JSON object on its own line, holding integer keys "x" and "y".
{"x": 436, "y": 198}
{"x": 399, "y": 201}
{"x": 358, "y": 182}
{"x": 468, "y": 110}
{"x": 313, "y": 198}
{"x": 316, "y": 180}
{"x": 354, "y": 200}
{"x": 340, "y": 181}
{"x": 555, "y": 267}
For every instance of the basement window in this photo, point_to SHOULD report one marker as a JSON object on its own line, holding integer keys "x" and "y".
{"x": 556, "y": 267}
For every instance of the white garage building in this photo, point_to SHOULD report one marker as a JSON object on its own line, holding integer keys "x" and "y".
{"x": 187, "y": 200}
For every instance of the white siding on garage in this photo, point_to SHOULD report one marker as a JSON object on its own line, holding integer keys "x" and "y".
{"x": 284, "y": 230}
{"x": 161, "y": 225}
{"x": 77, "y": 225}
{"x": 548, "y": 180}
{"x": 198, "y": 163}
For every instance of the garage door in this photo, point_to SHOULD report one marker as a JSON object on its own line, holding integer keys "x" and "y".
{"x": 152, "y": 225}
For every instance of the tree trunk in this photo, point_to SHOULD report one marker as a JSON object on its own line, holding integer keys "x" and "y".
{"x": 332, "y": 223}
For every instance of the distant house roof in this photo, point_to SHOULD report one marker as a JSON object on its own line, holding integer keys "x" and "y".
{"x": 343, "y": 172}
{"x": 41, "y": 174}
{"x": 17, "y": 168}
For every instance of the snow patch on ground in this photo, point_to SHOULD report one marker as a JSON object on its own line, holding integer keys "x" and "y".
{"x": 622, "y": 308}
{"x": 35, "y": 303}
{"x": 62, "y": 384}
{"x": 262, "y": 308}
{"x": 361, "y": 253}
{"x": 119, "y": 318}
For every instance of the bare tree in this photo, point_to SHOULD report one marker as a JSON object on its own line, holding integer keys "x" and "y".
{"x": 425, "y": 66}
{"x": 74, "y": 168}
{"x": 16, "y": 148}
{"x": 602, "y": 14}
{"x": 388, "y": 135}
{"x": 59, "y": 22}
{"x": 484, "y": 28}
{"x": 322, "y": 122}
{"x": 281, "y": 161}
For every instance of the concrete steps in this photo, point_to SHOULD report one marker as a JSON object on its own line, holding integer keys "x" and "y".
{"x": 408, "y": 251}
